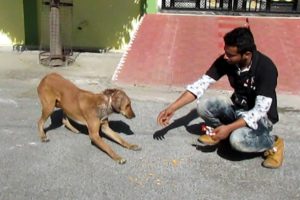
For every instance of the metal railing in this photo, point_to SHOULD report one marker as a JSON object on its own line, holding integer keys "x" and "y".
{"x": 254, "y": 6}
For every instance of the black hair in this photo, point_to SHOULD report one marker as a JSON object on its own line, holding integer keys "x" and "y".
{"x": 242, "y": 38}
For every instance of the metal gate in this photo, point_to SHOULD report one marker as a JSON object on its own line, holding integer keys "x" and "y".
{"x": 255, "y": 6}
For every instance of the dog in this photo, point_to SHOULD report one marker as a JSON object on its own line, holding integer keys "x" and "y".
{"x": 84, "y": 107}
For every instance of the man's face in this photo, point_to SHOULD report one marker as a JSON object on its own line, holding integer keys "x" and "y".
{"x": 231, "y": 55}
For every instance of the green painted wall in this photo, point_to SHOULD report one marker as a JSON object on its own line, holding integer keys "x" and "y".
{"x": 107, "y": 23}
{"x": 12, "y": 20}
{"x": 151, "y": 6}
{"x": 31, "y": 23}
{"x": 90, "y": 24}
{"x": 96, "y": 24}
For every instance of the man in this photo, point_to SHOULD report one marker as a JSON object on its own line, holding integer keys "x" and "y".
{"x": 248, "y": 116}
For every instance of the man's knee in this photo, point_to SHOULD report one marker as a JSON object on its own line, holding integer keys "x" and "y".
{"x": 202, "y": 108}
{"x": 246, "y": 140}
{"x": 238, "y": 142}
{"x": 212, "y": 105}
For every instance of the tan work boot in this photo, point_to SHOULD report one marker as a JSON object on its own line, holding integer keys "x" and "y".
{"x": 274, "y": 156}
{"x": 207, "y": 137}
{"x": 208, "y": 140}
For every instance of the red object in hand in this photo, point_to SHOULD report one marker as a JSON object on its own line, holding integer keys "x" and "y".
{"x": 207, "y": 129}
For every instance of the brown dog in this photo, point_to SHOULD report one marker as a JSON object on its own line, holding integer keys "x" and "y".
{"x": 86, "y": 108}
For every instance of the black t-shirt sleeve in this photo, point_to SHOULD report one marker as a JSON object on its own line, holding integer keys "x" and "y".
{"x": 267, "y": 79}
{"x": 217, "y": 69}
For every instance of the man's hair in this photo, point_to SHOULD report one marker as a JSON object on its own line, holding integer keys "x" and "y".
{"x": 242, "y": 38}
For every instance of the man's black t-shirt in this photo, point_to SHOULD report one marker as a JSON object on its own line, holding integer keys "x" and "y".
{"x": 261, "y": 79}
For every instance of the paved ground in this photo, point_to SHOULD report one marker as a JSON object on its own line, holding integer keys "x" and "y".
{"x": 168, "y": 167}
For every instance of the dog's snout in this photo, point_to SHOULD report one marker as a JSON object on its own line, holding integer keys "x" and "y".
{"x": 133, "y": 115}
{"x": 129, "y": 113}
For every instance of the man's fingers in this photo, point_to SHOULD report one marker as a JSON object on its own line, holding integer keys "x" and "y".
{"x": 214, "y": 137}
{"x": 164, "y": 121}
{"x": 161, "y": 117}
{"x": 164, "y": 118}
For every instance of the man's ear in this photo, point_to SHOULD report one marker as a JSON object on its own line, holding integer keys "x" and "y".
{"x": 247, "y": 54}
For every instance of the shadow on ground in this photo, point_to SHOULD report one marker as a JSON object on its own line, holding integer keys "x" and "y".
{"x": 56, "y": 122}
{"x": 183, "y": 121}
{"x": 223, "y": 149}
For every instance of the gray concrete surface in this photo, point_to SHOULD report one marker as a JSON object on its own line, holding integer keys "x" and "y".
{"x": 168, "y": 167}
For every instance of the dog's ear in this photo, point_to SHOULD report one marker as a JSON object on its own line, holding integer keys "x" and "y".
{"x": 117, "y": 96}
{"x": 109, "y": 92}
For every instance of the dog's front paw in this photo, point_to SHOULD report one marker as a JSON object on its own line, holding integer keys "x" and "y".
{"x": 45, "y": 139}
{"x": 121, "y": 161}
{"x": 135, "y": 147}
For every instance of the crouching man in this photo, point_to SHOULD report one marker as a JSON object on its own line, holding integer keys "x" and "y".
{"x": 246, "y": 118}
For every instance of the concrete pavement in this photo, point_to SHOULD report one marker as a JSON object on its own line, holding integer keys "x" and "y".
{"x": 168, "y": 167}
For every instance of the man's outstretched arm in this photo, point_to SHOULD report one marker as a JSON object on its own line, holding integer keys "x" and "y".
{"x": 164, "y": 116}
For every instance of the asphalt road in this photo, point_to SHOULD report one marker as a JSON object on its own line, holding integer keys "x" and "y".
{"x": 169, "y": 165}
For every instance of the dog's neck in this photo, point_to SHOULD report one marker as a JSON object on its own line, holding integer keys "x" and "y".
{"x": 105, "y": 109}
{"x": 109, "y": 103}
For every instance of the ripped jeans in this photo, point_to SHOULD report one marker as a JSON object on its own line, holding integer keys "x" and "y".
{"x": 218, "y": 111}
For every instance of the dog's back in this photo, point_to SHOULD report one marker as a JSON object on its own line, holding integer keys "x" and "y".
{"x": 53, "y": 83}
{"x": 56, "y": 91}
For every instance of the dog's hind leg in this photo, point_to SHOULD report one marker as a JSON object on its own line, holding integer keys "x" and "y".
{"x": 98, "y": 141}
{"x": 67, "y": 123}
{"x": 117, "y": 138}
{"x": 47, "y": 109}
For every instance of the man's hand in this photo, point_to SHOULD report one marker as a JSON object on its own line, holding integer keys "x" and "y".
{"x": 164, "y": 117}
{"x": 221, "y": 132}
